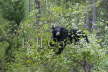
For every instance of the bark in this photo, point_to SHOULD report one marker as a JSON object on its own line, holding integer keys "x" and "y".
{"x": 29, "y": 5}
{"x": 91, "y": 15}
{"x": 94, "y": 14}
{"x": 38, "y": 7}
{"x": 87, "y": 67}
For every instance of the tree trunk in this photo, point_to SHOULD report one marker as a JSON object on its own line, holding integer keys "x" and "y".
{"x": 94, "y": 14}
{"x": 87, "y": 67}
{"x": 38, "y": 7}
{"x": 91, "y": 15}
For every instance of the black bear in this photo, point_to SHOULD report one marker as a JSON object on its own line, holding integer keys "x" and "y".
{"x": 59, "y": 35}
{"x": 62, "y": 36}
{"x": 75, "y": 35}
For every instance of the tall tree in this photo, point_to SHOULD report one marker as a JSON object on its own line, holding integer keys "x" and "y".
{"x": 91, "y": 14}
{"x": 38, "y": 8}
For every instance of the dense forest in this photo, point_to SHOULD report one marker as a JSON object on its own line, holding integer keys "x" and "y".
{"x": 26, "y": 33}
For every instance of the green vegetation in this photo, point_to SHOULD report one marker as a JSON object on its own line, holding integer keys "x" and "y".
{"x": 25, "y": 33}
